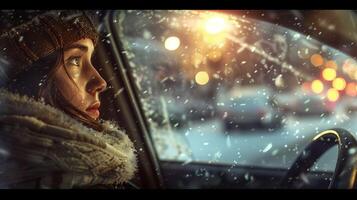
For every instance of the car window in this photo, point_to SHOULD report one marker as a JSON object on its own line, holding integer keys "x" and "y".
{"x": 220, "y": 88}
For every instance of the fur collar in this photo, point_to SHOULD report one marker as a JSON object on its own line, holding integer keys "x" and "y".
{"x": 38, "y": 133}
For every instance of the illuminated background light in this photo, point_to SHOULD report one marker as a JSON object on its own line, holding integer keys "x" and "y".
{"x": 339, "y": 83}
{"x": 348, "y": 65}
{"x": 351, "y": 89}
{"x": 306, "y": 86}
{"x": 332, "y": 95}
{"x": 317, "y": 86}
{"x": 329, "y": 74}
{"x": 215, "y": 25}
{"x": 202, "y": 78}
{"x": 331, "y": 64}
{"x": 354, "y": 74}
{"x": 214, "y": 56}
{"x": 215, "y": 40}
{"x": 172, "y": 43}
{"x": 317, "y": 60}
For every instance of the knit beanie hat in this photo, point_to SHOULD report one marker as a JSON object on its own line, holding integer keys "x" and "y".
{"x": 25, "y": 44}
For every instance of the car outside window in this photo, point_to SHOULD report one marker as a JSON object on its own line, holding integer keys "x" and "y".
{"x": 220, "y": 88}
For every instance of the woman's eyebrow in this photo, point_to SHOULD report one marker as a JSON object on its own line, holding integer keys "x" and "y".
{"x": 77, "y": 46}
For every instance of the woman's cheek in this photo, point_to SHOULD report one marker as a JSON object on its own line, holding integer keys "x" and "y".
{"x": 80, "y": 98}
{"x": 73, "y": 87}
{"x": 75, "y": 74}
{"x": 71, "y": 93}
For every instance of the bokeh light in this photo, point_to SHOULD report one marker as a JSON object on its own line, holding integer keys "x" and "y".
{"x": 331, "y": 64}
{"x": 317, "y": 60}
{"x": 215, "y": 25}
{"x": 317, "y": 86}
{"x": 172, "y": 43}
{"x": 202, "y": 78}
{"x": 339, "y": 83}
{"x": 351, "y": 89}
{"x": 348, "y": 65}
{"x": 329, "y": 74}
{"x": 332, "y": 94}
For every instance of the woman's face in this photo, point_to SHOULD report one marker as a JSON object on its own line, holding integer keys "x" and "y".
{"x": 83, "y": 94}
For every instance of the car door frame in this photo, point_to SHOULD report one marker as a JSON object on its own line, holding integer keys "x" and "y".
{"x": 149, "y": 171}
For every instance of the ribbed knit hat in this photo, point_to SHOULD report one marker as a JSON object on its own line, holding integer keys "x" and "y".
{"x": 24, "y": 44}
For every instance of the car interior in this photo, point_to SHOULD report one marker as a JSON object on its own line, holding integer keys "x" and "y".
{"x": 169, "y": 73}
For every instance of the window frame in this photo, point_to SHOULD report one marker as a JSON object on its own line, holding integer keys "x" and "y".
{"x": 135, "y": 123}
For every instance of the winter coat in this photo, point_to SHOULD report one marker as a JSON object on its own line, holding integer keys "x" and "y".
{"x": 42, "y": 147}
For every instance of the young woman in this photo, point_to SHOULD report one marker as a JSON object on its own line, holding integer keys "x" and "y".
{"x": 51, "y": 135}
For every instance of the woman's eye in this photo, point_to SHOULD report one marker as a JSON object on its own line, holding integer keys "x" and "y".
{"x": 74, "y": 61}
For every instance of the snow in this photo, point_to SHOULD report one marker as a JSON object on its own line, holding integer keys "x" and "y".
{"x": 117, "y": 93}
{"x": 257, "y": 54}
{"x": 267, "y": 148}
{"x": 352, "y": 151}
{"x": 4, "y": 152}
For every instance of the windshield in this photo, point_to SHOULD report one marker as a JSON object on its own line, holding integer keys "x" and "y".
{"x": 222, "y": 88}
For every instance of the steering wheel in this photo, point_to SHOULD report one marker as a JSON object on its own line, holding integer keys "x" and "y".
{"x": 344, "y": 176}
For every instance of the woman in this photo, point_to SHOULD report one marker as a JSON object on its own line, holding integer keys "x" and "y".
{"x": 50, "y": 132}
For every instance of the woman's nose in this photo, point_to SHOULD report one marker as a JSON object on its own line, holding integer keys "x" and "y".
{"x": 96, "y": 83}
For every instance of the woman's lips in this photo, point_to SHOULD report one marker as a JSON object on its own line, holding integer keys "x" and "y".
{"x": 93, "y": 110}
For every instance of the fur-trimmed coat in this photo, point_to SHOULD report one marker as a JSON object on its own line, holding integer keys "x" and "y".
{"x": 42, "y": 147}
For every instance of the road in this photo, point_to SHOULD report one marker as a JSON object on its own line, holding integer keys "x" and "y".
{"x": 208, "y": 141}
